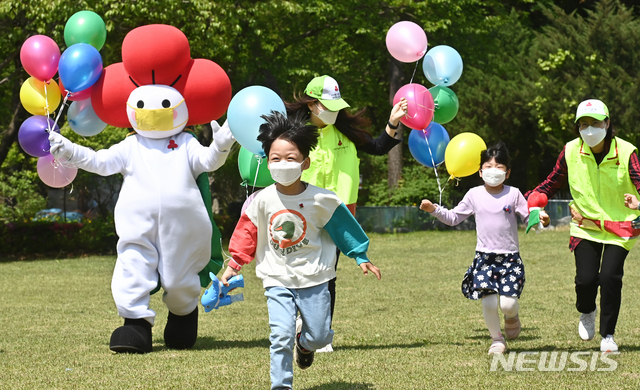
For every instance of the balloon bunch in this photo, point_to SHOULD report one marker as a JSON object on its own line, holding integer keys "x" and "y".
{"x": 429, "y": 109}
{"x": 79, "y": 67}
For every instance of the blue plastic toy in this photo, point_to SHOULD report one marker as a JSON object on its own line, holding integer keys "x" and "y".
{"x": 218, "y": 294}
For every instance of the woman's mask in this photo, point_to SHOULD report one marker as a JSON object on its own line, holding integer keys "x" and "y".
{"x": 493, "y": 177}
{"x": 285, "y": 172}
{"x": 592, "y": 136}
{"x": 326, "y": 116}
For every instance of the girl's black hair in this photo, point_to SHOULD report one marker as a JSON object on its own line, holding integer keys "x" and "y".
{"x": 351, "y": 125}
{"x": 498, "y": 151}
{"x": 293, "y": 129}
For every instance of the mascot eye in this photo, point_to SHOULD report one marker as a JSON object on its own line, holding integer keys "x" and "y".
{"x": 166, "y": 103}
{"x": 140, "y": 104}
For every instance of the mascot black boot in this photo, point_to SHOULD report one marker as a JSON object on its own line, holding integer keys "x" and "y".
{"x": 133, "y": 337}
{"x": 181, "y": 332}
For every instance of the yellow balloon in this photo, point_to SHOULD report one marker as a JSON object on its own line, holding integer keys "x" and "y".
{"x": 462, "y": 156}
{"x": 35, "y": 100}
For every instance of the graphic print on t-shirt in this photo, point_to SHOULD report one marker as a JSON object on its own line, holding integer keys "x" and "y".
{"x": 287, "y": 228}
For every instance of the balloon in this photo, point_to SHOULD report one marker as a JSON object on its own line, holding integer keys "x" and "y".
{"x": 75, "y": 96}
{"x": 406, "y": 41}
{"x": 248, "y": 164}
{"x": 244, "y": 113}
{"x": 446, "y": 104}
{"x": 85, "y": 27}
{"x": 83, "y": 120}
{"x": 80, "y": 67}
{"x": 54, "y": 173}
{"x": 39, "y": 56}
{"x": 462, "y": 156}
{"x": 35, "y": 100}
{"x": 420, "y": 105}
{"x": 33, "y": 136}
{"x": 442, "y": 65}
{"x": 428, "y": 146}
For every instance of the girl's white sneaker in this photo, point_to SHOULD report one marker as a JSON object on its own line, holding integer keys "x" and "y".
{"x": 608, "y": 344}
{"x": 498, "y": 345}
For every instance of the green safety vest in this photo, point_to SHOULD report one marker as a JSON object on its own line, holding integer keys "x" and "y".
{"x": 335, "y": 165}
{"x": 598, "y": 190}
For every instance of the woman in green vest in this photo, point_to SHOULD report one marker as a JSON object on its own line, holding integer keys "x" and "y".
{"x": 603, "y": 174}
{"x": 334, "y": 162}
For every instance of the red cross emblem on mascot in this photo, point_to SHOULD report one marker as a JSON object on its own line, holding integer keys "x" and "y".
{"x": 163, "y": 213}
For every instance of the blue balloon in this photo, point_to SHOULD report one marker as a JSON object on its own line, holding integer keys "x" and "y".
{"x": 437, "y": 138}
{"x": 245, "y": 111}
{"x": 80, "y": 67}
{"x": 442, "y": 65}
{"x": 83, "y": 119}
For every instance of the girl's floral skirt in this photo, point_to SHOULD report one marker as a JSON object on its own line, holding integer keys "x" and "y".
{"x": 494, "y": 273}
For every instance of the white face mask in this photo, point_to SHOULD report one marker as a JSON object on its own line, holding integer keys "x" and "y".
{"x": 593, "y": 135}
{"x": 326, "y": 116}
{"x": 493, "y": 177}
{"x": 285, "y": 172}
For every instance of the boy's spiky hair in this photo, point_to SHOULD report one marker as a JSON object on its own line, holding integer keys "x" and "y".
{"x": 293, "y": 129}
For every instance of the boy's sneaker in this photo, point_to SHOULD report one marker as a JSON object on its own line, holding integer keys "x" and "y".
{"x": 498, "y": 345}
{"x": 303, "y": 357}
{"x": 325, "y": 349}
{"x": 512, "y": 327}
{"x": 608, "y": 344}
{"x": 587, "y": 325}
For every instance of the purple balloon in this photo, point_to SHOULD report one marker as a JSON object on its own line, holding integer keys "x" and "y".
{"x": 33, "y": 136}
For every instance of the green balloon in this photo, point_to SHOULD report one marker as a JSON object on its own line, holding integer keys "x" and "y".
{"x": 446, "y": 104}
{"x": 248, "y": 164}
{"x": 85, "y": 27}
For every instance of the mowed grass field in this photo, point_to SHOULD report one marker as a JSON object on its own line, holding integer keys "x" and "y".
{"x": 411, "y": 330}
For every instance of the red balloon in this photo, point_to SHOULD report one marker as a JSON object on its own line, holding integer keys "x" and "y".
{"x": 75, "y": 96}
{"x": 420, "y": 106}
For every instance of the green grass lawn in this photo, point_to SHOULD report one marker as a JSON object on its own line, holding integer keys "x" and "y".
{"x": 411, "y": 330}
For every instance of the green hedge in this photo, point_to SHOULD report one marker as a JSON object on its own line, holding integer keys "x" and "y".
{"x": 44, "y": 238}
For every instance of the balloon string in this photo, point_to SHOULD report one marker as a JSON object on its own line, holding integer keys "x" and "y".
{"x": 414, "y": 72}
{"x": 57, "y": 163}
{"x": 255, "y": 179}
{"x": 61, "y": 107}
{"x": 46, "y": 107}
{"x": 435, "y": 168}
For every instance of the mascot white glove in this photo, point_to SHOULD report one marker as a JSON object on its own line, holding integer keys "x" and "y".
{"x": 61, "y": 148}
{"x": 222, "y": 137}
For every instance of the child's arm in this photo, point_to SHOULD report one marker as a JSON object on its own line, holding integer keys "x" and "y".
{"x": 452, "y": 217}
{"x": 347, "y": 234}
{"x": 242, "y": 247}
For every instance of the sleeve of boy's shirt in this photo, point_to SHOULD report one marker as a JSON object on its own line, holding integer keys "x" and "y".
{"x": 522, "y": 209}
{"x": 347, "y": 234}
{"x": 452, "y": 217}
{"x": 244, "y": 240}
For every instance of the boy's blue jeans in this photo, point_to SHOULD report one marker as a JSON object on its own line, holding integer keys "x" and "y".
{"x": 314, "y": 304}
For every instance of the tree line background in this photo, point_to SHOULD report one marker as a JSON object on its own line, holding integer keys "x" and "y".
{"x": 527, "y": 65}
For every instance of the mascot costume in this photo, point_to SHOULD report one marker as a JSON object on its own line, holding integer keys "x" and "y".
{"x": 162, "y": 218}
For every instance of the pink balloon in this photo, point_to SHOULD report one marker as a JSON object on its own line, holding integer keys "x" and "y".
{"x": 40, "y": 56}
{"x": 75, "y": 96}
{"x": 420, "y": 106}
{"x": 406, "y": 41}
{"x": 54, "y": 173}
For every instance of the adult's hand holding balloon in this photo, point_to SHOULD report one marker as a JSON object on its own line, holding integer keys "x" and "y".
{"x": 419, "y": 108}
{"x": 61, "y": 147}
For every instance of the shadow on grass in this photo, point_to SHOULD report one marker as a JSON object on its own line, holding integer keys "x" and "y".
{"x": 207, "y": 343}
{"x": 343, "y": 386}
{"x": 483, "y": 334}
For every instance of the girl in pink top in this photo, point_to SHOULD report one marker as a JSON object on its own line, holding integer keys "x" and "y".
{"x": 497, "y": 273}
